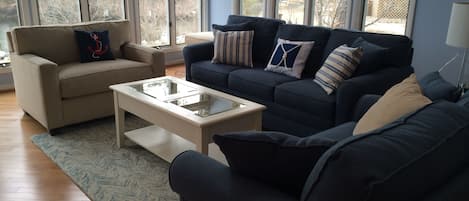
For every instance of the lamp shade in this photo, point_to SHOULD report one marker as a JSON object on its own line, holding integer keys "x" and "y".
{"x": 458, "y": 30}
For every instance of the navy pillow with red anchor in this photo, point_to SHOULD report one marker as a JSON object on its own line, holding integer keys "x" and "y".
{"x": 94, "y": 46}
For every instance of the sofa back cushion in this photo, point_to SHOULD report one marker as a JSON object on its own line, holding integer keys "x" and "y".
{"x": 399, "y": 47}
{"x": 402, "y": 161}
{"x": 265, "y": 30}
{"x": 57, "y": 42}
{"x": 319, "y": 35}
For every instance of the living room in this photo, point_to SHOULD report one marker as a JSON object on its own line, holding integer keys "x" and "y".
{"x": 199, "y": 100}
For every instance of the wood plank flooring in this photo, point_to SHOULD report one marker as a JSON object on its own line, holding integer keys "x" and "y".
{"x": 27, "y": 174}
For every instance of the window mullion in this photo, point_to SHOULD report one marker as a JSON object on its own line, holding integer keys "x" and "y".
{"x": 204, "y": 15}
{"x": 132, "y": 14}
{"x": 410, "y": 18}
{"x": 236, "y": 7}
{"x": 308, "y": 17}
{"x": 172, "y": 22}
{"x": 85, "y": 11}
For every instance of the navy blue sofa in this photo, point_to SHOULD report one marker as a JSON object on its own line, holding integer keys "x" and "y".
{"x": 423, "y": 156}
{"x": 299, "y": 106}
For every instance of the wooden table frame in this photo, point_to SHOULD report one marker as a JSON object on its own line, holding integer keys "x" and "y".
{"x": 173, "y": 120}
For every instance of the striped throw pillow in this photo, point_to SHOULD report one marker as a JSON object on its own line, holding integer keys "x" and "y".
{"x": 233, "y": 47}
{"x": 339, "y": 66}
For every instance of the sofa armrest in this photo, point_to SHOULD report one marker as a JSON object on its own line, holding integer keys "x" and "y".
{"x": 352, "y": 89}
{"x": 196, "y": 177}
{"x": 195, "y": 53}
{"x": 37, "y": 88}
{"x": 363, "y": 104}
{"x": 147, "y": 55}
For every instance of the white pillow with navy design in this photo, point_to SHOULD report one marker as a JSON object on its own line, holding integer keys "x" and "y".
{"x": 289, "y": 57}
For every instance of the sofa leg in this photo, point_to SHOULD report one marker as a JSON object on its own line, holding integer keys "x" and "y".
{"x": 54, "y": 131}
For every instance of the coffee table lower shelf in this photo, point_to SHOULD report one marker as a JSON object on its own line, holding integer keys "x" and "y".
{"x": 167, "y": 145}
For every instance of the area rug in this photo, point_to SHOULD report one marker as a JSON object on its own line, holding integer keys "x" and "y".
{"x": 87, "y": 153}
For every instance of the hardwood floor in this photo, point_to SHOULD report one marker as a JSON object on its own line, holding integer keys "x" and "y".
{"x": 27, "y": 174}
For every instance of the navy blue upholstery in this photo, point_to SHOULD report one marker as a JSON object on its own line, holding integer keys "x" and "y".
{"x": 213, "y": 74}
{"x": 199, "y": 178}
{"x": 298, "y": 106}
{"x": 306, "y": 95}
{"x": 398, "y": 46}
{"x": 436, "y": 87}
{"x": 319, "y": 35}
{"x": 405, "y": 160}
{"x": 195, "y": 53}
{"x": 420, "y": 157}
{"x": 256, "y": 82}
{"x": 264, "y": 35}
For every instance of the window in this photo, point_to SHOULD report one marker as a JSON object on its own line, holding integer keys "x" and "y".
{"x": 291, "y": 11}
{"x": 386, "y": 16}
{"x": 103, "y": 10}
{"x": 330, "y": 13}
{"x": 188, "y": 18}
{"x": 154, "y": 22}
{"x": 8, "y": 19}
{"x": 59, "y": 11}
{"x": 252, "y": 8}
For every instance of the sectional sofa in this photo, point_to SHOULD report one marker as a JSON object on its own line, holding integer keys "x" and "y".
{"x": 299, "y": 106}
{"x": 423, "y": 156}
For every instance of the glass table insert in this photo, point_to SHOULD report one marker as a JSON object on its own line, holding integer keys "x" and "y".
{"x": 162, "y": 89}
{"x": 205, "y": 104}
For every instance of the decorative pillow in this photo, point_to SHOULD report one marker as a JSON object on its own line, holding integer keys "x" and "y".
{"x": 401, "y": 99}
{"x": 245, "y": 26}
{"x": 281, "y": 160}
{"x": 94, "y": 46}
{"x": 233, "y": 47}
{"x": 339, "y": 66}
{"x": 373, "y": 56}
{"x": 289, "y": 57}
{"x": 436, "y": 88}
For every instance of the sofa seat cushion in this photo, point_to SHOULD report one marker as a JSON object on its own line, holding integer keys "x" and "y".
{"x": 256, "y": 82}
{"x": 78, "y": 79}
{"x": 213, "y": 74}
{"x": 306, "y": 95}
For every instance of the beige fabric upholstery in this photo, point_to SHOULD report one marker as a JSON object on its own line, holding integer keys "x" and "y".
{"x": 78, "y": 79}
{"x": 55, "y": 89}
{"x": 199, "y": 37}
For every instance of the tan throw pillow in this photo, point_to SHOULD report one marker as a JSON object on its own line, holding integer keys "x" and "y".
{"x": 401, "y": 99}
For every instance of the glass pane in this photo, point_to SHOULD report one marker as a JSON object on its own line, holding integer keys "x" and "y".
{"x": 59, "y": 11}
{"x": 252, "y": 8}
{"x": 292, "y": 11}
{"x": 161, "y": 89}
{"x": 330, "y": 13}
{"x": 154, "y": 22}
{"x": 187, "y": 18}
{"x": 103, "y": 10}
{"x": 386, "y": 16}
{"x": 205, "y": 105}
{"x": 8, "y": 19}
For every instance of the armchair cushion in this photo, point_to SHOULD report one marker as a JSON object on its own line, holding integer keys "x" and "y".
{"x": 93, "y": 46}
{"x": 78, "y": 79}
{"x": 281, "y": 160}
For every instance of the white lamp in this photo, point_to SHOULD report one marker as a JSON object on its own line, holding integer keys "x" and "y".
{"x": 458, "y": 33}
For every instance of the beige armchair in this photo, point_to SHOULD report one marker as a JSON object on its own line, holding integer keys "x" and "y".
{"x": 57, "y": 90}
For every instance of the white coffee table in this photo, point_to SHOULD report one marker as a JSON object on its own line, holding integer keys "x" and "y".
{"x": 185, "y": 115}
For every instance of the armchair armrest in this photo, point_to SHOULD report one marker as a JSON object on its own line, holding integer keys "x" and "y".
{"x": 363, "y": 104}
{"x": 196, "y": 177}
{"x": 37, "y": 88}
{"x": 195, "y": 53}
{"x": 352, "y": 89}
{"x": 147, "y": 55}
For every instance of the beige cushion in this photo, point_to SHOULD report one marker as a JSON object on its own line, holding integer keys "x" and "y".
{"x": 78, "y": 79}
{"x": 57, "y": 42}
{"x": 401, "y": 99}
{"x": 199, "y": 37}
